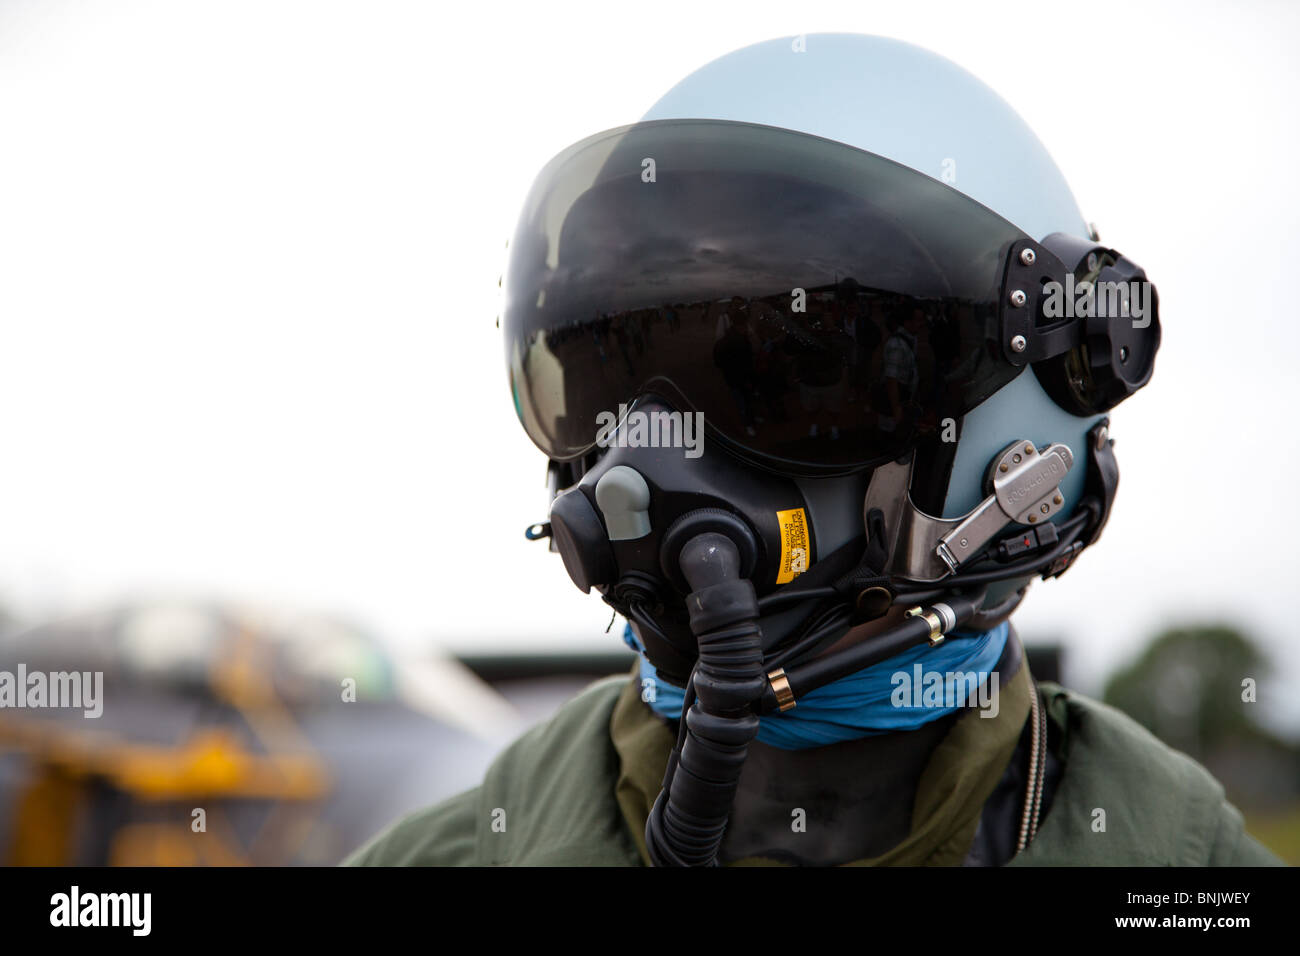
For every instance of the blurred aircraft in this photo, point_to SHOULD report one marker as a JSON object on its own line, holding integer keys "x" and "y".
{"x": 231, "y": 735}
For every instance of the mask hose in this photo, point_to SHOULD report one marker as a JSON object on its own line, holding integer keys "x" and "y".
{"x": 689, "y": 817}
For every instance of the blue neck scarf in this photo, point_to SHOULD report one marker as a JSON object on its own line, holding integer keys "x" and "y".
{"x": 903, "y": 692}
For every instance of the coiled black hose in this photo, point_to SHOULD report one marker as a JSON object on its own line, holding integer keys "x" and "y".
{"x": 688, "y": 819}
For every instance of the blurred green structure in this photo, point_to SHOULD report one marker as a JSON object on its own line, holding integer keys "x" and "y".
{"x": 1200, "y": 688}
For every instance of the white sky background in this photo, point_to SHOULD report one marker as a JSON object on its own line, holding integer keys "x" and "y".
{"x": 248, "y": 276}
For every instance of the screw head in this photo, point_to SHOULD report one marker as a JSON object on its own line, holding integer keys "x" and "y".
{"x": 1018, "y": 298}
{"x": 1045, "y": 508}
{"x": 1018, "y": 343}
{"x": 1027, "y": 256}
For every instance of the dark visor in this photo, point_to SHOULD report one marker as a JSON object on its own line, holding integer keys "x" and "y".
{"x": 820, "y": 305}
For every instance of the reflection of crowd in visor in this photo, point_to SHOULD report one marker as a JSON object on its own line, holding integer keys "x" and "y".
{"x": 852, "y": 364}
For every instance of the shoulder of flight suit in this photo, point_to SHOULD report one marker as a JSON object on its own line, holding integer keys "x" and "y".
{"x": 1126, "y": 798}
{"x": 548, "y": 799}
{"x": 440, "y": 835}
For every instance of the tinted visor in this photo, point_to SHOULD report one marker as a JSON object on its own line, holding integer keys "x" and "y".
{"x": 820, "y": 305}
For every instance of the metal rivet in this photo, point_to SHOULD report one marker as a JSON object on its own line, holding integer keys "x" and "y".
{"x": 1018, "y": 298}
{"x": 1027, "y": 256}
{"x": 874, "y": 601}
{"x": 1002, "y": 467}
{"x": 1045, "y": 508}
{"x": 1029, "y": 449}
{"x": 1033, "y": 518}
{"x": 1016, "y": 459}
{"x": 1057, "y": 500}
{"x": 964, "y": 543}
{"x": 1018, "y": 343}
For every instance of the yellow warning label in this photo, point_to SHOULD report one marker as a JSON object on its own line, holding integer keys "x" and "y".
{"x": 794, "y": 544}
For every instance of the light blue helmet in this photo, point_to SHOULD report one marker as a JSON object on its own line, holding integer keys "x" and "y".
{"x": 860, "y": 270}
{"x": 886, "y": 234}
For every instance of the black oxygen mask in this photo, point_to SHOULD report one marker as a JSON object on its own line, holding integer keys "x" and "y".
{"x": 660, "y": 482}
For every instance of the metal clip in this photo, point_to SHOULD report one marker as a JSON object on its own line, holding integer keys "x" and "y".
{"x": 781, "y": 687}
{"x": 931, "y": 618}
{"x": 1026, "y": 489}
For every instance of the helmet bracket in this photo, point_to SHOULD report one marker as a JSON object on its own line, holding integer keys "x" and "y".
{"x": 1024, "y": 485}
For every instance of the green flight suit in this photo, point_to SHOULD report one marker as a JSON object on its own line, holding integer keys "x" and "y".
{"x": 550, "y": 799}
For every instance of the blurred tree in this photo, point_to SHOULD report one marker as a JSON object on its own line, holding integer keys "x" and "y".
{"x": 1187, "y": 689}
